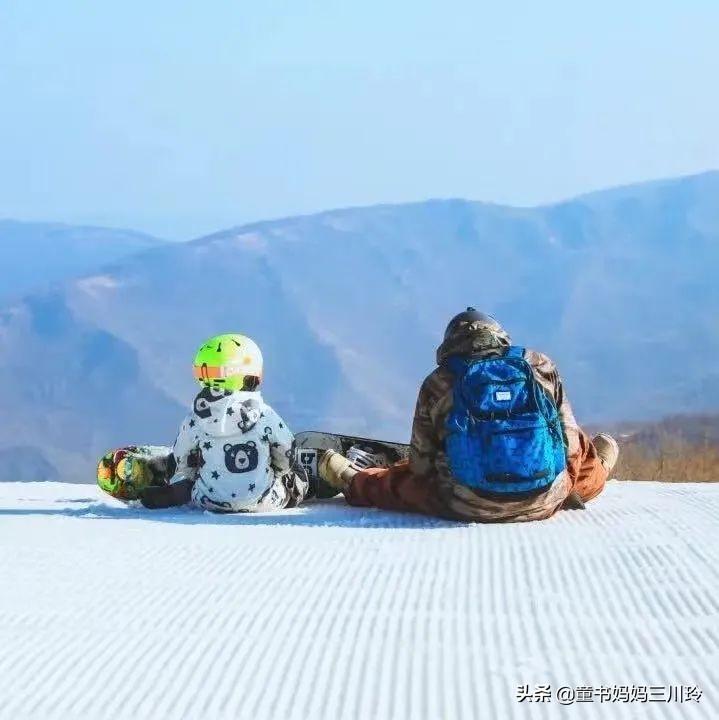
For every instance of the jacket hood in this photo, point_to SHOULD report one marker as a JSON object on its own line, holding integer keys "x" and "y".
{"x": 222, "y": 413}
{"x": 473, "y": 339}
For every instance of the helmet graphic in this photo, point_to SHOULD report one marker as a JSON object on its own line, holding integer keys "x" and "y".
{"x": 470, "y": 315}
{"x": 231, "y": 362}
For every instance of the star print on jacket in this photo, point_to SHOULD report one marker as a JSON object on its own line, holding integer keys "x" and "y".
{"x": 240, "y": 469}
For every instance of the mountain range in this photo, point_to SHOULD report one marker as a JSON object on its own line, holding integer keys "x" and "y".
{"x": 36, "y": 255}
{"x": 619, "y": 287}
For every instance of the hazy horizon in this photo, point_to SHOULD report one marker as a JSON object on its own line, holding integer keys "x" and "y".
{"x": 319, "y": 211}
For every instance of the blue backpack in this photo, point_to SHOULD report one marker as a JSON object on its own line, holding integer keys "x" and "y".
{"x": 504, "y": 435}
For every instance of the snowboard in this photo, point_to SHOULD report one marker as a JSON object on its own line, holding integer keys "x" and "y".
{"x": 310, "y": 445}
{"x": 124, "y": 473}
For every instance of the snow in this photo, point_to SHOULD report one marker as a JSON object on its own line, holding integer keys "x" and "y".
{"x": 108, "y": 611}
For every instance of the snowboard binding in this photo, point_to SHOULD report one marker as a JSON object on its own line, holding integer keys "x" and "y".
{"x": 363, "y": 453}
{"x": 365, "y": 457}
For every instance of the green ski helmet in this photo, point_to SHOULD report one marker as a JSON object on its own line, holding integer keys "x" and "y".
{"x": 231, "y": 362}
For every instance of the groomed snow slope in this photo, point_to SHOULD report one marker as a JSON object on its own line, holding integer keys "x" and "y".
{"x": 332, "y": 612}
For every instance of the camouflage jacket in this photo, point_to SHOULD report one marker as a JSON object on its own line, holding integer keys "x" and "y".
{"x": 427, "y": 458}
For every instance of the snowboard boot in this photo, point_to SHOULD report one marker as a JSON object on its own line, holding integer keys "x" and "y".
{"x": 607, "y": 450}
{"x": 336, "y": 470}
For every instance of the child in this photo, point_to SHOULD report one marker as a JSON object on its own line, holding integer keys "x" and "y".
{"x": 233, "y": 452}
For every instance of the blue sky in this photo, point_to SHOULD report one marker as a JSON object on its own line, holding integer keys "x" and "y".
{"x": 183, "y": 118}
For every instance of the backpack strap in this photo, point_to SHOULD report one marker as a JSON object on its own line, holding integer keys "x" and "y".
{"x": 456, "y": 364}
{"x": 515, "y": 351}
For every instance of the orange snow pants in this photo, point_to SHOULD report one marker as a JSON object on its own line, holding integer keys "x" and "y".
{"x": 396, "y": 488}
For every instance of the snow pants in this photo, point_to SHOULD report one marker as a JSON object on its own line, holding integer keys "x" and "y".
{"x": 396, "y": 488}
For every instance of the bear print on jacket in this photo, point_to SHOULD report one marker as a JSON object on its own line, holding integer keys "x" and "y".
{"x": 242, "y": 457}
{"x": 204, "y": 400}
